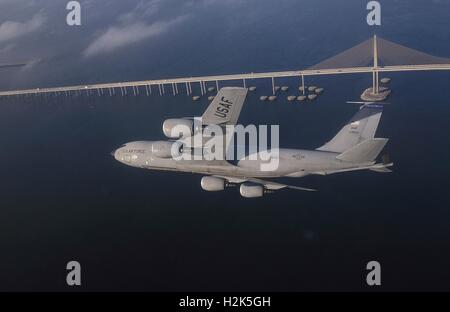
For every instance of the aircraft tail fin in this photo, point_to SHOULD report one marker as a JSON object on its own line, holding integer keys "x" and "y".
{"x": 365, "y": 151}
{"x": 360, "y": 128}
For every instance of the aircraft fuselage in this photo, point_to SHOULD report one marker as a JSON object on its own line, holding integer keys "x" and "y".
{"x": 291, "y": 162}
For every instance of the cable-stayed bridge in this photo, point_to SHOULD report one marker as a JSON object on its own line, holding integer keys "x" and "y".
{"x": 373, "y": 56}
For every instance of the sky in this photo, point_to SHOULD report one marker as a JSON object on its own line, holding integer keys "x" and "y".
{"x": 137, "y": 39}
{"x": 36, "y": 31}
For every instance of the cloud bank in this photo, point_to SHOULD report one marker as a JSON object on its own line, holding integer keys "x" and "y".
{"x": 12, "y": 30}
{"x": 120, "y": 36}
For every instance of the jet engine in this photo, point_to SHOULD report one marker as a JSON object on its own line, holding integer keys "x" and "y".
{"x": 213, "y": 184}
{"x": 178, "y": 128}
{"x": 163, "y": 149}
{"x": 251, "y": 190}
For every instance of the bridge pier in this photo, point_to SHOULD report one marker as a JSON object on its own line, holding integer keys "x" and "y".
{"x": 303, "y": 84}
{"x": 273, "y": 85}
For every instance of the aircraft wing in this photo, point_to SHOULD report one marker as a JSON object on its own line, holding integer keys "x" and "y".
{"x": 270, "y": 185}
{"x": 276, "y": 186}
{"x": 226, "y": 107}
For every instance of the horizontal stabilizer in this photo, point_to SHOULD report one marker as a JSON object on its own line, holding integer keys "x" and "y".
{"x": 382, "y": 170}
{"x": 376, "y": 167}
{"x": 367, "y": 150}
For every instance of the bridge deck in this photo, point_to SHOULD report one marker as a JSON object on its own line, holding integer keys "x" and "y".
{"x": 203, "y": 79}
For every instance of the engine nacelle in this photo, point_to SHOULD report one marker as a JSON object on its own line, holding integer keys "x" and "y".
{"x": 213, "y": 184}
{"x": 251, "y": 190}
{"x": 177, "y": 128}
{"x": 163, "y": 149}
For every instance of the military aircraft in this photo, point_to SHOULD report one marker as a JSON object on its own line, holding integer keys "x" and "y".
{"x": 353, "y": 148}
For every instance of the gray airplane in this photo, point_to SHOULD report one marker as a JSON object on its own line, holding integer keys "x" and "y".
{"x": 353, "y": 148}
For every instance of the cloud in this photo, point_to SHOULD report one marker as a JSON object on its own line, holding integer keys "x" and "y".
{"x": 133, "y": 26}
{"x": 192, "y": 3}
{"x": 11, "y": 30}
{"x": 117, "y": 37}
{"x": 143, "y": 10}
{"x": 7, "y": 48}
